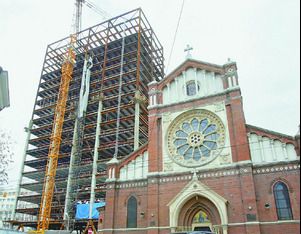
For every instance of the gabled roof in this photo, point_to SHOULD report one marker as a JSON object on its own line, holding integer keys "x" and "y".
{"x": 193, "y": 63}
{"x": 133, "y": 155}
{"x": 266, "y": 132}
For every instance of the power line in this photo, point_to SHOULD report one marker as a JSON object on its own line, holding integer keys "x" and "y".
{"x": 215, "y": 188}
{"x": 225, "y": 147}
{"x": 175, "y": 36}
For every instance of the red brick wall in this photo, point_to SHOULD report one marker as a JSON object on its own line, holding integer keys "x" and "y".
{"x": 155, "y": 144}
{"x": 154, "y": 200}
{"x": 235, "y": 116}
{"x": 237, "y": 128}
{"x": 245, "y": 193}
{"x": 280, "y": 229}
{"x": 264, "y": 193}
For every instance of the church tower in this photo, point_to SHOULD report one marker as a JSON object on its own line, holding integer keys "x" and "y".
{"x": 197, "y": 110}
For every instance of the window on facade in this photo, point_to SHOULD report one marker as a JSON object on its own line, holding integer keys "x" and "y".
{"x": 283, "y": 204}
{"x": 201, "y": 217}
{"x": 132, "y": 213}
{"x": 191, "y": 88}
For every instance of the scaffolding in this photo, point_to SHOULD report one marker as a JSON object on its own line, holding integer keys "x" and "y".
{"x": 127, "y": 38}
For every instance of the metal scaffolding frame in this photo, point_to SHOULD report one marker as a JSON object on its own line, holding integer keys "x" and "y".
{"x": 143, "y": 62}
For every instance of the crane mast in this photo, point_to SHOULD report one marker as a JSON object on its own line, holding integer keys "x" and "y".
{"x": 56, "y": 136}
{"x": 44, "y": 216}
{"x": 55, "y": 142}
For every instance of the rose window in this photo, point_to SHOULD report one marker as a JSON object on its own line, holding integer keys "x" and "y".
{"x": 195, "y": 138}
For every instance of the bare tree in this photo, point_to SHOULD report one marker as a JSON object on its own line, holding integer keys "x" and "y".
{"x": 6, "y": 155}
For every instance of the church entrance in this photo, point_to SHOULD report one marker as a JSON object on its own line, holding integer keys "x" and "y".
{"x": 198, "y": 214}
{"x": 198, "y": 208}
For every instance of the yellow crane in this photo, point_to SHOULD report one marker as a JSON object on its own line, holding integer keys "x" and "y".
{"x": 55, "y": 139}
{"x": 44, "y": 216}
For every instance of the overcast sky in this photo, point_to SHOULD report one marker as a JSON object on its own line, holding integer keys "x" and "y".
{"x": 262, "y": 36}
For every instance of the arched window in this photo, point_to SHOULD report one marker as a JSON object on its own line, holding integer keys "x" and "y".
{"x": 282, "y": 199}
{"x": 132, "y": 212}
{"x": 192, "y": 88}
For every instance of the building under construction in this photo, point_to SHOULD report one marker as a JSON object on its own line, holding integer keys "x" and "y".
{"x": 106, "y": 114}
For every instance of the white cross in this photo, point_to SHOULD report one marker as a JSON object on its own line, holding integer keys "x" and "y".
{"x": 194, "y": 171}
{"x": 188, "y": 49}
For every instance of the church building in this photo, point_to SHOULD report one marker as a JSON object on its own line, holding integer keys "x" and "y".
{"x": 203, "y": 167}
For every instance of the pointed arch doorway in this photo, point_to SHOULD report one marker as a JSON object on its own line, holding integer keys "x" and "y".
{"x": 198, "y": 214}
{"x": 198, "y": 208}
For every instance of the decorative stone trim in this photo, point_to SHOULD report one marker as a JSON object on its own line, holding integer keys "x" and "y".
{"x": 280, "y": 222}
{"x": 162, "y": 179}
{"x": 128, "y": 185}
{"x": 205, "y": 175}
{"x": 192, "y": 189}
{"x": 162, "y": 106}
{"x": 279, "y": 179}
{"x": 177, "y": 178}
{"x": 273, "y": 169}
{"x": 132, "y": 195}
{"x": 265, "y": 223}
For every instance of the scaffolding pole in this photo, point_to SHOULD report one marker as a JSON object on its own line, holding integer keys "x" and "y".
{"x": 95, "y": 156}
{"x": 143, "y": 62}
{"x": 75, "y": 157}
{"x": 28, "y": 129}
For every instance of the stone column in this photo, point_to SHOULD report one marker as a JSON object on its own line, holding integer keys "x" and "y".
{"x": 261, "y": 148}
{"x": 185, "y": 89}
{"x": 177, "y": 88}
{"x": 212, "y": 83}
{"x": 138, "y": 99}
{"x": 196, "y": 81}
{"x": 155, "y": 100}
{"x": 205, "y": 82}
{"x": 225, "y": 229}
{"x": 229, "y": 81}
{"x": 168, "y": 93}
{"x": 273, "y": 149}
{"x": 284, "y": 151}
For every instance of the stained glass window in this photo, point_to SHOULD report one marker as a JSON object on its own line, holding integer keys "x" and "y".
{"x": 283, "y": 204}
{"x": 192, "y": 88}
{"x": 201, "y": 217}
{"x": 196, "y": 139}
